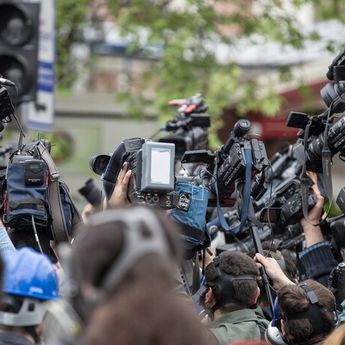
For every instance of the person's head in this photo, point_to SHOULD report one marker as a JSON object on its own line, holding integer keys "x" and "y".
{"x": 291, "y": 269}
{"x": 124, "y": 261}
{"x": 232, "y": 281}
{"x": 307, "y": 312}
{"x": 115, "y": 243}
{"x": 29, "y": 281}
{"x": 285, "y": 259}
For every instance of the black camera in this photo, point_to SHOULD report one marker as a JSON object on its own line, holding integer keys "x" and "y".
{"x": 153, "y": 173}
{"x": 6, "y": 106}
{"x": 320, "y": 131}
{"x": 188, "y": 131}
{"x": 91, "y": 193}
{"x": 335, "y": 137}
{"x": 224, "y": 170}
{"x": 281, "y": 202}
{"x": 99, "y": 163}
{"x": 336, "y": 283}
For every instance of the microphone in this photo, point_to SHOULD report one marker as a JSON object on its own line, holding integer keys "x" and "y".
{"x": 7, "y": 82}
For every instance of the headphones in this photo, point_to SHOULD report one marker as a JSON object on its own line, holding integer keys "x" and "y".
{"x": 313, "y": 314}
{"x": 223, "y": 287}
{"x": 137, "y": 243}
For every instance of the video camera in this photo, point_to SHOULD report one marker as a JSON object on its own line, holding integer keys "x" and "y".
{"x": 189, "y": 129}
{"x": 224, "y": 170}
{"x": 280, "y": 203}
{"x": 319, "y": 140}
{"x": 153, "y": 168}
{"x": 91, "y": 193}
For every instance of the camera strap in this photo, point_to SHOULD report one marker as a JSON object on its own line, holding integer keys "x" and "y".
{"x": 326, "y": 157}
{"x": 305, "y": 180}
{"x": 246, "y": 198}
{"x": 59, "y": 223}
{"x": 327, "y": 161}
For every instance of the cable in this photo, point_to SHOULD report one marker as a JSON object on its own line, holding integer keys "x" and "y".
{"x": 36, "y": 234}
{"x": 268, "y": 215}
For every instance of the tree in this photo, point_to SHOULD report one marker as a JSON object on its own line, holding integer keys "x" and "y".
{"x": 70, "y": 19}
{"x": 189, "y": 33}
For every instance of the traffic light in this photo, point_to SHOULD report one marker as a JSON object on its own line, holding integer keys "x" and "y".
{"x": 19, "y": 23}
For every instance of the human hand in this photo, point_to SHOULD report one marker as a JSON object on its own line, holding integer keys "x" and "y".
{"x": 210, "y": 254}
{"x": 119, "y": 196}
{"x": 88, "y": 210}
{"x": 311, "y": 229}
{"x": 315, "y": 213}
{"x": 273, "y": 270}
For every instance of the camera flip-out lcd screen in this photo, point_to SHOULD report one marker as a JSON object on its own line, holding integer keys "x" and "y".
{"x": 160, "y": 165}
{"x": 158, "y": 171}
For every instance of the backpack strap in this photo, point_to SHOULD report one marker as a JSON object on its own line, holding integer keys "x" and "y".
{"x": 58, "y": 225}
{"x": 76, "y": 218}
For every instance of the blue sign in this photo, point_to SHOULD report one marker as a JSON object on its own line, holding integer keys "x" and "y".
{"x": 39, "y": 116}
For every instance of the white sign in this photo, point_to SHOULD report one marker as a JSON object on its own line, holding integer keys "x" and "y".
{"x": 40, "y": 115}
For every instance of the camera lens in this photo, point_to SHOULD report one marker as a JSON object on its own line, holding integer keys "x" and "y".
{"x": 91, "y": 193}
{"x": 332, "y": 92}
{"x": 99, "y": 163}
{"x": 241, "y": 127}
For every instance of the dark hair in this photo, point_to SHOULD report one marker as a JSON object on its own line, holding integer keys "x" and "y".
{"x": 285, "y": 258}
{"x": 234, "y": 263}
{"x": 294, "y": 299}
{"x": 144, "y": 307}
{"x": 290, "y": 264}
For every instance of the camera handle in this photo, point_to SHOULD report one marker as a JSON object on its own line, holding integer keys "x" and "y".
{"x": 246, "y": 197}
{"x": 254, "y": 226}
{"x": 326, "y": 171}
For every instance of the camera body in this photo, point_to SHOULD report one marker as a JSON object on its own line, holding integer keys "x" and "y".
{"x": 280, "y": 202}
{"x": 6, "y": 106}
{"x": 91, "y": 193}
{"x": 283, "y": 205}
{"x": 336, "y": 283}
{"x": 316, "y": 140}
{"x": 189, "y": 129}
{"x": 153, "y": 173}
{"x": 226, "y": 167}
{"x": 153, "y": 167}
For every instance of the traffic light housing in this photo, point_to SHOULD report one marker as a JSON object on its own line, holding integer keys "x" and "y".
{"x": 19, "y": 36}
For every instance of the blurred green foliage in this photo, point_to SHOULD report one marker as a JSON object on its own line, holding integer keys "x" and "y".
{"x": 187, "y": 34}
{"x": 70, "y": 19}
{"x": 62, "y": 145}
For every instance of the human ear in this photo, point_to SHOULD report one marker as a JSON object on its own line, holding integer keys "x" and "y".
{"x": 209, "y": 299}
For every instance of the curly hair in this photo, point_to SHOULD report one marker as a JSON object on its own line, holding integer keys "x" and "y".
{"x": 237, "y": 264}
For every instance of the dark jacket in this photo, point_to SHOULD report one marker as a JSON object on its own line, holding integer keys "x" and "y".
{"x": 239, "y": 325}
{"x": 318, "y": 262}
{"x": 11, "y": 338}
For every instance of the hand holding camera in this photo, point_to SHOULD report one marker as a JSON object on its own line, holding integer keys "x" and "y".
{"x": 119, "y": 195}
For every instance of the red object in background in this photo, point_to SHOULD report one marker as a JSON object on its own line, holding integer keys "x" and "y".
{"x": 274, "y": 128}
{"x": 271, "y": 128}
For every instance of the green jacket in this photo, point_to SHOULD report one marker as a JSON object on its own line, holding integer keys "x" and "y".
{"x": 239, "y": 325}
